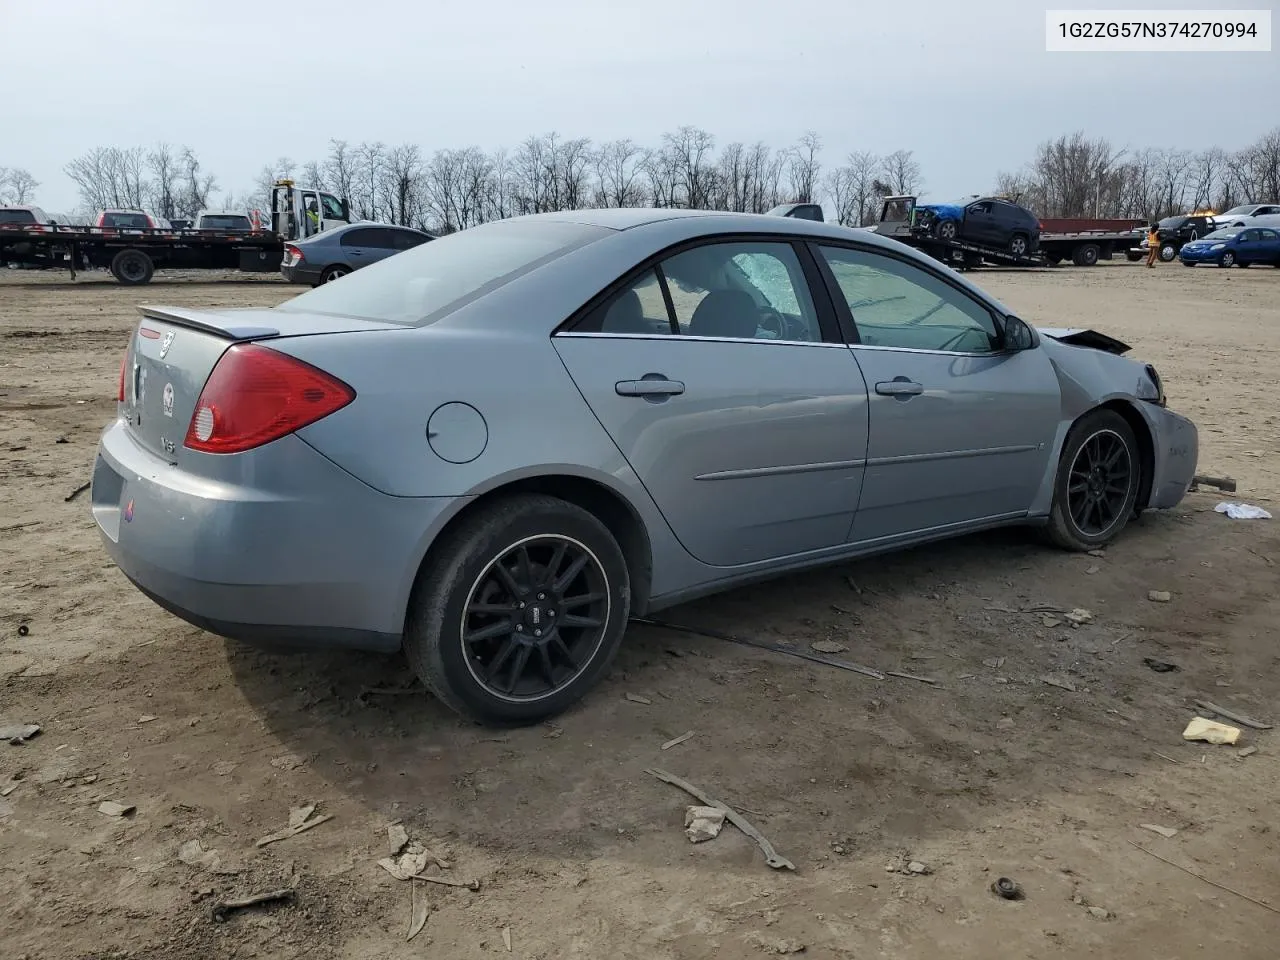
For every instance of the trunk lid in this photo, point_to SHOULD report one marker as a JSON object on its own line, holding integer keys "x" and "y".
{"x": 173, "y": 351}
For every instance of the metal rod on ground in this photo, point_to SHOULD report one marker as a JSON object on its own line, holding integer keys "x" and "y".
{"x": 766, "y": 645}
{"x": 1222, "y": 483}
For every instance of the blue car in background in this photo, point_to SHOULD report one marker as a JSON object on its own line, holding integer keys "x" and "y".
{"x": 1234, "y": 247}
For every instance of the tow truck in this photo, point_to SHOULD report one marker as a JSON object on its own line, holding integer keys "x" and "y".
{"x": 1083, "y": 241}
{"x": 134, "y": 255}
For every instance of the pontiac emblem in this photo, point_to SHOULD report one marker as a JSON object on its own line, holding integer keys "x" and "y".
{"x": 166, "y": 343}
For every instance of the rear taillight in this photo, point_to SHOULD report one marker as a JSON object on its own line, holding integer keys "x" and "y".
{"x": 292, "y": 253}
{"x": 124, "y": 361}
{"x": 256, "y": 395}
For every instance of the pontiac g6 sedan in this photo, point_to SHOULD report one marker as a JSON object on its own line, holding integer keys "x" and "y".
{"x": 491, "y": 450}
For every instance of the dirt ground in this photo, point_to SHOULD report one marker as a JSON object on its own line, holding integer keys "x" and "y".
{"x": 992, "y": 772}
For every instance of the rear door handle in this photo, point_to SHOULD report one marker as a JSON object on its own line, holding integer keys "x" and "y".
{"x": 649, "y": 387}
{"x": 899, "y": 387}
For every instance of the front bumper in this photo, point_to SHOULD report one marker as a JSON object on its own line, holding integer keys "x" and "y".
{"x": 294, "y": 550}
{"x": 1176, "y": 443}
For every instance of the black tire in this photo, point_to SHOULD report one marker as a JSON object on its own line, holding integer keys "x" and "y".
{"x": 1228, "y": 259}
{"x": 336, "y": 272}
{"x": 465, "y": 573}
{"x": 1068, "y": 528}
{"x": 132, "y": 267}
{"x": 946, "y": 229}
{"x": 1019, "y": 244}
{"x": 1167, "y": 252}
{"x": 1085, "y": 255}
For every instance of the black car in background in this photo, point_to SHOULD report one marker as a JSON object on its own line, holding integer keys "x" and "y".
{"x": 992, "y": 221}
{"x": 1174, "y": 232}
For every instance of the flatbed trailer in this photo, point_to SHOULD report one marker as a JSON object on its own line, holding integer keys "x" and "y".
{"x": 1083, "y": 241}
{"x": 133, "y": 256}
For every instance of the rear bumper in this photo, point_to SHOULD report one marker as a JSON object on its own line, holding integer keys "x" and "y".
{"x": 1177, "y": 451}
{"x": 295, "y": 551}
{"x": 300, "y": 274}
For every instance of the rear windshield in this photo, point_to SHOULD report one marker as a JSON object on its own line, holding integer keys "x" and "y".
{"x": 429, "y": 281}
{"x": 17, "y": 216}
{"x": 229, "y": 221}
{"x": 126, "y": 221}
{"x": 1170, "y": 223}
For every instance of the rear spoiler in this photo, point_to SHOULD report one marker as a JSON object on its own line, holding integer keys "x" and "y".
{"x": 1087, "y": 338}
{"x": 208, "y": 322}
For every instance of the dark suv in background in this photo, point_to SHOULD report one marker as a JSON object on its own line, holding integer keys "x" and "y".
{"x": 1174, "y": 232}
{"x": 991, "y": 221}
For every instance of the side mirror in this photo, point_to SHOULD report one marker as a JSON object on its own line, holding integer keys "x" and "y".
{"x": 1017, "y": 335}
{"x": 346, "y": 210}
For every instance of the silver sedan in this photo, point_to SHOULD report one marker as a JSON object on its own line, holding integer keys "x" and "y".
{"x": 493, "y": 449}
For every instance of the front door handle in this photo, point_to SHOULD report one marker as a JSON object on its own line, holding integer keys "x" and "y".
{"x": 899, "y": 387}
{"x": 650, "y": 386}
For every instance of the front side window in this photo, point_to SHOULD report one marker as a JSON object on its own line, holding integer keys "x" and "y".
{"x": 897, "y": 304}
{"x": 331, "y": 206}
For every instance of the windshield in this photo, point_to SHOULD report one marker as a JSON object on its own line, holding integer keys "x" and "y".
{"x": 423, "y": 284}
{"x": 126, "y": 221}
{"x": 17, "y": 216}
{"x": 1223, "y": 234}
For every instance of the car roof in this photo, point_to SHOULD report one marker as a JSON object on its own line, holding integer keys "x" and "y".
{"x": 712, "y": 222}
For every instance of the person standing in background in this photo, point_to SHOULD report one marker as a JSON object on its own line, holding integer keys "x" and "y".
{"x": 1153, "y": 244}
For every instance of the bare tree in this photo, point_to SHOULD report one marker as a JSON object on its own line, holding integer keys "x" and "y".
{"x": 618, "y": 172}
{"x": 803, "y": 167}
{"x": 17, "y": 185}
{"x": 164, "y": 176}
{"x": 901, "y": 172}
{"x": 340, "y": 168}
{"x": 689, "y": 152}
{"x": 853, "y": 188}
{"x": 196, "y": 187}
{"x": 110, "y": 177}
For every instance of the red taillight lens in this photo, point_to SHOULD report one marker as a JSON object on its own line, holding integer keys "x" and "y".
{"x": 124, "y": 361}
{"x": 292, "y": 253}
{"x": 256, "y": 395}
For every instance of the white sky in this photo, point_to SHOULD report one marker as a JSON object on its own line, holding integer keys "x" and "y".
{"x": 965, "y": 84}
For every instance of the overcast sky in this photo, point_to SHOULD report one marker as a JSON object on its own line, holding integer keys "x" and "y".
{"x": 965, "y": 84}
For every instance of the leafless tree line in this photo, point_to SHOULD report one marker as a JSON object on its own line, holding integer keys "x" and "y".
{"x": 455, "y": 188}
{"x": 165, "y": 180}
{"x": 17, "y": 186}
{"x": 1076, "y": 176}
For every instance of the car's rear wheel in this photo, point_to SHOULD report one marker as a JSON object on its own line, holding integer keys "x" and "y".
{"x": 1228, "y": 259}
{"x": 1019, "y": 245}
{"x": 519, "y": 611}
{"x": 945, "y": 229}
{"x": 336, "y": 272}
{"x": 1096, "y": 484}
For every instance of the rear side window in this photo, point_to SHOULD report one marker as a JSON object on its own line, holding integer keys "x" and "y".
{"x": 361, "y": 237}
{"x": 17, "y": 216}
{"x": 424, "y": 284}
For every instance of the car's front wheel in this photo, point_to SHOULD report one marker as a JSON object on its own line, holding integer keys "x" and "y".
{"x": 1228, "y": 259}
{"x": 1096, "y": 485}
{"x": 519, "y": 611}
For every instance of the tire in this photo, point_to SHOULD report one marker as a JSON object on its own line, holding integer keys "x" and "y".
{"x": 132, "y": 267}
{"x": 1019, "y": 244}
{"x": 1110, "y": 431}
{"x": 461, "y": 575}
{"x": 1228, "y": 259}
{"x": 1167, "y": 252}
{"x": 946, "y": 229}
{"x": 1085, "y": 255}
{"x": 336, "y": 272}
